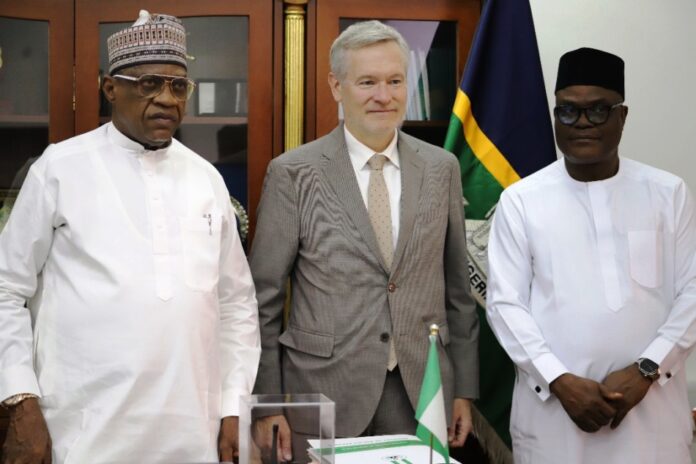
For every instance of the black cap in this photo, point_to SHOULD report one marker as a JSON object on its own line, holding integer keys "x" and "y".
{"x": 589, "y": 66}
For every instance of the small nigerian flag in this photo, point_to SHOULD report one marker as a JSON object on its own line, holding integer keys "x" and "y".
{"x": 430, "y": 414}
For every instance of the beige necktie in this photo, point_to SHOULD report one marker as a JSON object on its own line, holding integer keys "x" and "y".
{"x": 380, "y": 216}
{"x": 378, "y": 208}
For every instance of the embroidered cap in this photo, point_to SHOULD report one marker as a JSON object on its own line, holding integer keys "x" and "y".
{"x": 153, "y": 38}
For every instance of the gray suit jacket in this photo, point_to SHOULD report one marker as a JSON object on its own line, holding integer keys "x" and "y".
{"x": 313, "y": 227}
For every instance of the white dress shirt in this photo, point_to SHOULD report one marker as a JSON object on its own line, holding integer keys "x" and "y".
{"x": 359, "y": 155}
{"x": 142, "y": 328}
{"x": 587, "y": 277}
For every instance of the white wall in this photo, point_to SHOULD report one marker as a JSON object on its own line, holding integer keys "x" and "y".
{"x": 657, "y": 40}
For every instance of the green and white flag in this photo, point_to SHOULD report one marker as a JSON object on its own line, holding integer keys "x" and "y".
{"x": 430, "y": 414}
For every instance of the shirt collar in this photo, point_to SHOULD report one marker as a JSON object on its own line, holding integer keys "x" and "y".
{"x": 118, "y": 138}
{"x": 362, "y": 153}
{"x": 604, "y": 182}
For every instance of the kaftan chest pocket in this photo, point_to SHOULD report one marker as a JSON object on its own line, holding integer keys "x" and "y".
{"x": 201, "y": 251}
{"x": 645, "y": 254}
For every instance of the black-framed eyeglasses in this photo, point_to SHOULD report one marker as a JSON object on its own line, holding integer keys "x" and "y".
{"x": 568, "y": 114}
{"x": 151, "y": 85}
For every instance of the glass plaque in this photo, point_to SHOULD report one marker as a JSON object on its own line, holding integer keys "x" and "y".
{"x": 310, "y": 417}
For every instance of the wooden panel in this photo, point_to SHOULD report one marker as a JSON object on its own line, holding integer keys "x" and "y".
{"x": 311, "y": 75}
{"x": 464, "y": 12}
{"x": 59, "y": 15}
{"x": 278, "y": 77}
{"x": 260, "y": 101}
{"x": 90, "y": 13}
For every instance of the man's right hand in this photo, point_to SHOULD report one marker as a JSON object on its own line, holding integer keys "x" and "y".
{"x": 263, "y": 437}
{"x": 587, "y": 403}
{"x": 28, "y": 441}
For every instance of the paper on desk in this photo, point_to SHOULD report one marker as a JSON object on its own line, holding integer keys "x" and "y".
{"x": 382, "y": 449}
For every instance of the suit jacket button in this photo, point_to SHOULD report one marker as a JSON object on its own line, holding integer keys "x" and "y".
{"x": 537, "y": 389}
{"x": 384, "y": 337}
{"x": 391, "y": 287}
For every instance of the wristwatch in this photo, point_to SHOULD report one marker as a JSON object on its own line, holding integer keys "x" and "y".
{"x": 16, "y": 399}
{"x": 649, "y": 368}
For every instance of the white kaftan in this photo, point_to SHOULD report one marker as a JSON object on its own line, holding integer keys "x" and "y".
{"x": 587, "y": 277}
{"x": 142, "y": 328}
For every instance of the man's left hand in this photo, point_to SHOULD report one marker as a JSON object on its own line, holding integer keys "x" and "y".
{"x": 228, "y": 439}
{"x": 632, "y": 384}
{"x": 461, "y": 422}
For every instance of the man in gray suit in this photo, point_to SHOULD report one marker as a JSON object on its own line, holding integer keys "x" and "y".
{"x": 368, "y": 223}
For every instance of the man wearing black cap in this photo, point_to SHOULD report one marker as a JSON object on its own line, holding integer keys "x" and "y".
{"x": 592, "y": 288}
{"x": 141, "y": 331}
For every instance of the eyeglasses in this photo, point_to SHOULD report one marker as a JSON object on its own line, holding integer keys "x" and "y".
{"x": 570, "y": 114}
{"x": 151, "y": 85}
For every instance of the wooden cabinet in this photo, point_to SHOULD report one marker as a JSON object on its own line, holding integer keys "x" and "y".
{"x": 48, "y": 93}
{"x": 237, "y": 59}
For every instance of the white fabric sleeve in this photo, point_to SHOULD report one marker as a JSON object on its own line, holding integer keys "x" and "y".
{"x": 239, "y": 323}
{"x": 24, "y": 246}
{"x": 676, "y": 337}
{"x": 507, "y": 305}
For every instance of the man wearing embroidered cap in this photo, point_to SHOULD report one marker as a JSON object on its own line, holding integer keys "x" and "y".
{"x": 140, "y": 331}
{"x": 592, "y": 288}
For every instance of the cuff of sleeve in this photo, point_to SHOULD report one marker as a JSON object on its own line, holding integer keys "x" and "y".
{"x": 549, "y": 368}
{"x": 668, "y": 355}
{"x": 18, "y": 379}
{"x": 231, "y": 404}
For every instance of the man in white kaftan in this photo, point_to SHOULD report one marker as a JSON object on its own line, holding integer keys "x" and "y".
{"x": 593, "y": 278}
{"x": 141, "y": 332}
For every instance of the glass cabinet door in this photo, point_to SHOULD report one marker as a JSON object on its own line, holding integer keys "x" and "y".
{"x": 215, "y": 125}
{"x": 23, "y": 113}
{"x": 36, "y": 42}
{"x": 439, "y": 37}
{"x": 228, "y": 118}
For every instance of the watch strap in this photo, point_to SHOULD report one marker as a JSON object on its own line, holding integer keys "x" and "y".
{"x": 14, "y": 400}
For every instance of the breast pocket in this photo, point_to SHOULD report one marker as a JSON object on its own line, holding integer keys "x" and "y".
{"x": 201, "y": 250}
{"x": 645, "y": 254}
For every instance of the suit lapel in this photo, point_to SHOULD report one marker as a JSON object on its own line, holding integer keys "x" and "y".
{"x": 411, "y": 180}
{"x": 339, "y": 172}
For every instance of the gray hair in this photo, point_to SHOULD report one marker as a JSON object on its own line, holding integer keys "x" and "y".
{"x": 360, "y": 35}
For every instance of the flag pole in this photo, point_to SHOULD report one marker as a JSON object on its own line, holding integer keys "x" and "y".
{"x": 434, "y": 331}
{"x": 430, "y": 412}
{"x": 431, "y": 448}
